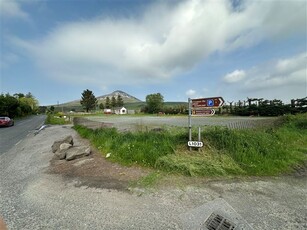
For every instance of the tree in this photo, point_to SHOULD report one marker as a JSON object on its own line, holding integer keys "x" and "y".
{"x": 154, "y": 103}
{"x": 9, "y": 106}
{"x": 120, "y": 101}
{"x": 113, "y": 102}
{"x": 88, "y": 100}
{"x": 19, "y": 95}
{"x": 29, "y": 95}
{"x": 101, "y": 106}
{"x": 108, "y": 103}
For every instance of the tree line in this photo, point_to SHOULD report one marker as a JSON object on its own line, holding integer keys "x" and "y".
{"x": 18, "y": 105}
{"x": 89, "y": 101}
{"x": 263, "y": 107}
{"x": 250, "y": 107}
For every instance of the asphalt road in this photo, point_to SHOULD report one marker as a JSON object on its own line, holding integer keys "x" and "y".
{"x": 10, "y": 136}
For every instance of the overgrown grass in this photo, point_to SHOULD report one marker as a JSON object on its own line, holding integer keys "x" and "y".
{"x": 264, "y": 152}
{"x": 55, "y": 120}
{"x": 226, "y": 152}
{"x": 143, "y": 148}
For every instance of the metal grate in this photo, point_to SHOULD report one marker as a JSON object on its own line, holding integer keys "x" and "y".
{"x": 218, "y": 222}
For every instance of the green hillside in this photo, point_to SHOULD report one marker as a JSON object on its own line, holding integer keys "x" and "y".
{"x": 130, "y": 102}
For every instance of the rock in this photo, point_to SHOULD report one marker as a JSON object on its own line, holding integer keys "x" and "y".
{"x": 56, "y": 145}
{"x": 61, "y": 153}
{"x": 77, "y": 152}
{"x": 64, "y": 147}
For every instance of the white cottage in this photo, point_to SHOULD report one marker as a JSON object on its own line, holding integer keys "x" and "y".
{"x": 120, "y": 110}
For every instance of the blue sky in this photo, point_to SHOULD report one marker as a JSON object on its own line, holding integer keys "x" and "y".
{"x": 55, "y": 49}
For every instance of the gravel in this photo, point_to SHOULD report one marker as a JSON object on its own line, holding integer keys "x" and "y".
{"x": 31, "y": 198}
{"x": 127, "y": 122}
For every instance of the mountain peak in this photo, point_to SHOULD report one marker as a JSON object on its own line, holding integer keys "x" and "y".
{"x": 124, "y": 95}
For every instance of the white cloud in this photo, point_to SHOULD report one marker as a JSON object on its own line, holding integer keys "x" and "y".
{"x": 167, "y": 40}
{"x": 190, "y": 93}
{"x": 12, "y": 9}
{"x": 235, "y": 76}
{"x": 282, "y": 79}
{"x": 284, "y": 72}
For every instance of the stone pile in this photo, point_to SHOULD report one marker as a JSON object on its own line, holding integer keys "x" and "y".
{"x": 65, "y": 149}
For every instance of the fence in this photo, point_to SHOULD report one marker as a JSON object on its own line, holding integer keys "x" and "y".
{"x": 250, "y": 124}
{"x": 90, "y": 124}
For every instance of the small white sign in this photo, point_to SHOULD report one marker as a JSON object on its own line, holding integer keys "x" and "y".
{"x": 197, "y": 144}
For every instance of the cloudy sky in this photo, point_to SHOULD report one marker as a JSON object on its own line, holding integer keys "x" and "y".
{"x": 236, "y": 49}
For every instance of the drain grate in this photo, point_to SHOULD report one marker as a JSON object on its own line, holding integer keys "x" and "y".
{"x": 218, "y": 222}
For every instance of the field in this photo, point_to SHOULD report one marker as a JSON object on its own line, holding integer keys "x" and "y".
{"x": 161, "y": 143}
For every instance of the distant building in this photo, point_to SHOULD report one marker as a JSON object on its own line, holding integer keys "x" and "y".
{"x": 120, "y": 110}
{"x": 107, "y": 111}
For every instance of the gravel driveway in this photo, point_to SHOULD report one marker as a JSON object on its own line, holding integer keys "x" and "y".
{"x": 34, "y": 198}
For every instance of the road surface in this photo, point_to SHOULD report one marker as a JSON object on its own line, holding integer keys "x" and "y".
{"x": 10, "y": 136}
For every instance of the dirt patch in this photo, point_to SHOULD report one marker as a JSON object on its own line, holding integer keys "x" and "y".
{"x": 96, "y": 171}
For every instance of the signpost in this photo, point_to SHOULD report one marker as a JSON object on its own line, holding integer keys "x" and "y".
{"x": 203, "y": 112}
{"x": 213, "y": 102}
{"x": 201, "y": 107}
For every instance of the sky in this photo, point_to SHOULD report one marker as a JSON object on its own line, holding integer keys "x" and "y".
{"x": 183, "y": 49}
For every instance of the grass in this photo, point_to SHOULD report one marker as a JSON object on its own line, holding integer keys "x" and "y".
{"x": 227, "y": 152}
{"x": 143, "y": 148}
{"x": 55, "y": 120}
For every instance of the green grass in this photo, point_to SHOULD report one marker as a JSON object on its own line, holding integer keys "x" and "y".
{"x": 226, "y": 152}
{"x": 143, "y": 148}
{"x": 55, "y": 120}
{"x": 264, "y": 152}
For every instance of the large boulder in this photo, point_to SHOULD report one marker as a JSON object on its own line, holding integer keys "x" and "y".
{"x": 77, "y": 152}
{"x": 56, "y": 145}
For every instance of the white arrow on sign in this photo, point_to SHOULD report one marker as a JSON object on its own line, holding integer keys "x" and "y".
{"x": 197, "y": 144}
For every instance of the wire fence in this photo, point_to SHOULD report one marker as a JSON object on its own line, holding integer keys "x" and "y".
{"x": 251, "y": 124}
{"x": 135, "y": 125}
{"x": 90, "y": 123}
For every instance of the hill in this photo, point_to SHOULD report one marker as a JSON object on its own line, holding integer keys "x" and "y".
{"x": 126, "y": 97}
{"x": 75, "y": 105}
{"x": 130, "y": 102}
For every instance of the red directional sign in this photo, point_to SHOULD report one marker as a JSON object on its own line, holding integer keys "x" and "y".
{"x": 203, "y": 112}
{"x": 213, "y": 102}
